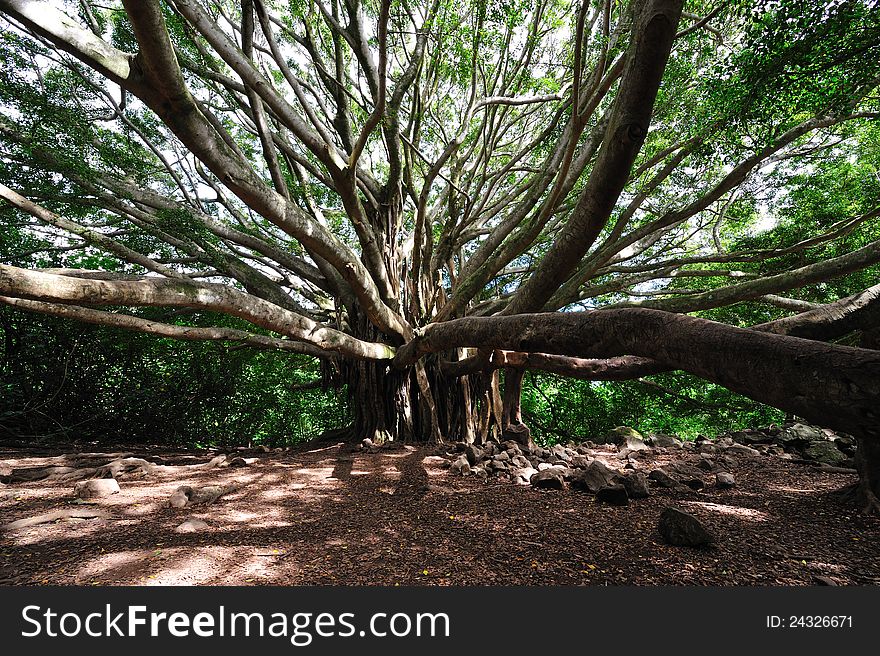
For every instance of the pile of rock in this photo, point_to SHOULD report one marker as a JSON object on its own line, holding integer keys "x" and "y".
{"x": 583, "y": 467}
{"x": 799, "y": 441}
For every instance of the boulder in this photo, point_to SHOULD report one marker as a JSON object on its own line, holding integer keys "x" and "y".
{"x": 724, "y": 481}
{"x": 548, "y": 479}
{"x": 594, "y": 477}
{"x": 825, "y": 452}
{"x": 579, "y": 462}
{"x": 799, "y": 435}
{"x": 682, "y": 529}
{"x": 192, "y": 525}
{"x": 619, "y": 435}
{"x": 636, "y": 485}
{"x": 96, "y": 488}
{"x": 613, "y": 494}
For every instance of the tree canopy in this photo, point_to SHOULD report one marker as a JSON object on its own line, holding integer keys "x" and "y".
{"x": 383, "y": 186}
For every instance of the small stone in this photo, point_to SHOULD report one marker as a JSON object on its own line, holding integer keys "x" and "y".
{"x": 97, "y": 488}
{"x": 613, "y": 494}
{"x": 662, "y": 478}
{"x": 665, "y": 441}
{"x": 724, "y": 481}
{"x": 742, "y": 449}
{"x": 548, "y": 480}
{"x": 682, "y": 529}
{"x": 523, "y": 475}
{"x": 631, "y": 443}
{"x": 473, "y": 453}
{"x": 461, "y": 466}
{"x": 706, "y": 464}
{"x": 561, "y": 453}
{"x": 192, "y": 525}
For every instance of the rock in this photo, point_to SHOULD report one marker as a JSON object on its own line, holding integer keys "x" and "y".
{"x": 724, "y": 442}
{"x": 480, "y": 472}
{"x": 799, "y": 435}
{"x": 724, "y": 481}
{"x": 542, "y": 466}
{"x": 825, "y": 452}
{"x": 548, "y": 480}
{"x": 489, "y": 449}
{"x": 594, "y": 477}
{"x": 743, "y": 450}
{"x": 636, "y": 486}
{"x": 662, "y": 478}
{"x": 97, "y": 488}
{"x": 510, "y": 445}
{"x": 631, "y": 444}
{"x": 846, "y": 444}
{"x": 180, "y": 497}
{"x": 461, "y": 466}
{"x": 523, "y": 475}
{"x": 613, "y": 494}
{"x": 750, "y": 437}
{"x": 560, "y": 452}
{"x": 682, "y": 529}
{"x": 579, "y": 462}
{"x": 499, "y": 465}
{"x": 192, "y": 525}
{"x": 501, "y": 457}
{"x": 708, "y": 447}
{"x": 473, "y": 453}
{"x": 619, "y": 435}
{"x": 665, "y": 441}
{"x": 520, "y": 461}
{"x": 238, "y": 462}
{"x": 725, "y": 462}
{"x": 521, "y": 435}
{"x": 706, "y": 464}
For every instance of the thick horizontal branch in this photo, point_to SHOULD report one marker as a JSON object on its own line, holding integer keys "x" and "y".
{"x": 161, "y": 292}
{"x": 833, "y": 385}
{"x": 138, "y": 324}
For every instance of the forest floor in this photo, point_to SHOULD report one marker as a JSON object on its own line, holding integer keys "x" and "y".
{"x": 330, "y": 514}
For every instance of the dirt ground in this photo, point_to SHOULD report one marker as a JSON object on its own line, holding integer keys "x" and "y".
{"x": 330, "y": 514}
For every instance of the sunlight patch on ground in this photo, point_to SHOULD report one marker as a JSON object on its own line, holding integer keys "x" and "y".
{"x": 749, "y": 514}
{"x": 793, "y": 490}
{"x": 99, "y": 565}
{"x": 191, "y": 569}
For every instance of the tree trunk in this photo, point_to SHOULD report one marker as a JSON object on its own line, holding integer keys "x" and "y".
{"x": 512, "y": 426}
{"x": 867, "y": 490}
